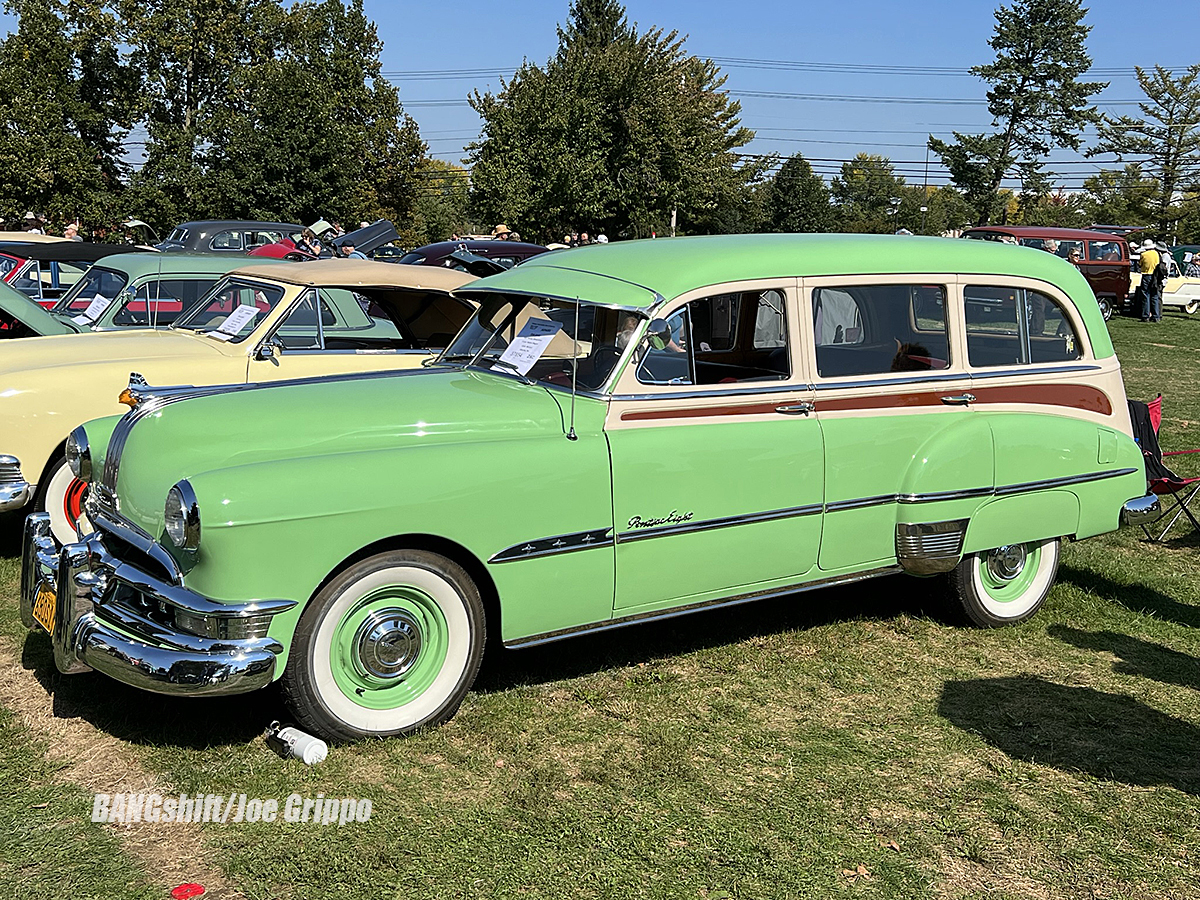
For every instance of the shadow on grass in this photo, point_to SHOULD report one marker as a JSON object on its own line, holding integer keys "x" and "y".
{"x": 878, "y": 599}
{"x": 144, "y": 718}
{"x": 1136, "y": 598}
{"x": 10, "y": 533}
{"x": 1077, "y": 729}
{"x": 1138, "y": 657}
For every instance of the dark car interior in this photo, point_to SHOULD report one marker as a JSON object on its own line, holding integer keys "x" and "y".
{"x": 880, "y": 328}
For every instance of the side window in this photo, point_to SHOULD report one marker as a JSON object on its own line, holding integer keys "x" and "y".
{"x": 302, "y": 328}
{"x": 724, "y": 339}
{"x": 880, "y": 328}
{"x": 1103, "y": 251}
{"x": 159, "y": 302}
{"x": 1014, "y": 326}
{"x": 227, "y": 240}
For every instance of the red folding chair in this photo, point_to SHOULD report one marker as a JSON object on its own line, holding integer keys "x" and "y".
{"x": 1160, "y": 479}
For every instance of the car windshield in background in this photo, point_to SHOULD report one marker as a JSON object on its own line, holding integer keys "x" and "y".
{"x": 232, "y": 310}
{"x": 7, "y": 264}
{"x": 412, "y": 259}
{"x": 97, "y": 284}
{"x": 1064, "y": 247}
{"x": 545, "y": 340}
{"x": 1104, "y": 251}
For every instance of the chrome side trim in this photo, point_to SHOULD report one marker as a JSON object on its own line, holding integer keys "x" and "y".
{"x": 860, "y": 503}
{"x": 660, "y": 615}
{"x": 936, "y": 496}
{"x": 732, "y": 392}
{"x": 1032, "y": 370}
{"x": 628, "y": 537}
{"x": 889, "y": 382}
{"x": 554, "y": 545}
{"x": 1064, "y": 481}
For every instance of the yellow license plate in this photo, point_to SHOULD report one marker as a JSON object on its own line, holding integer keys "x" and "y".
{"x": 43, "y": 608}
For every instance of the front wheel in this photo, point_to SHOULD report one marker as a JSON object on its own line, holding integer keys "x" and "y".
{"x": 390, "y": 645}
{"x": 61, "y": 495}
{"x": 1191, "y": 307}
{"x": 1005, "y": 585}
{"x": 1106, "y": 308}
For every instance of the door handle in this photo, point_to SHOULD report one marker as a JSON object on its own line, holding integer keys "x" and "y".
{"x": 796, "y": 409}
{"x": 959, "y": 399}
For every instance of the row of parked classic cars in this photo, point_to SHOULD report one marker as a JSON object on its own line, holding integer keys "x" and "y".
{"x": 351, "y": 477}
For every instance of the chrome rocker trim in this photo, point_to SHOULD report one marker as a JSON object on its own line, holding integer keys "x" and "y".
{"x": 15, "y": 491}
{"x": 93, "y": 630}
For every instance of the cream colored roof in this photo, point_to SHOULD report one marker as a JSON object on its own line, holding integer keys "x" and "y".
{"x": 352, "y": 273}
{"x": 28, "y": 236}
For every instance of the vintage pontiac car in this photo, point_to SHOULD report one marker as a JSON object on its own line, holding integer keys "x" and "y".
{"x": 260, "y": 323}
{"x": 620, "y": 434}
{"x": 129, "y": 290}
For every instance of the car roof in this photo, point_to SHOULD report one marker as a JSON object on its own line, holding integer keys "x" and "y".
{"x": 82, "y": 251}
{"x": 138, "y": 264}
{"x": 30, "y": 236}
{"x": 640, "y": 273}
{"x": 237, "y": 223}
{"x": 475, "y": 246}
{"x": 353, "y": 273}
{"x": 1066, "y": 234}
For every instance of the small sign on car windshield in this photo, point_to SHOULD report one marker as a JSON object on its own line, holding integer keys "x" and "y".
{"x": 234, "y": 322}
{"x": 94, "y": 311}
{"x": 529, "y": 345}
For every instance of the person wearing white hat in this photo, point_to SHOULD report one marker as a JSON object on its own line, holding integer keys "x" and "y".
{"x": 1149, "y": 287}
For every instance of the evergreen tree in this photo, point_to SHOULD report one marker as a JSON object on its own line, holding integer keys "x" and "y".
{"x": 799, "y": 199}
{"x": 1036, "y": 99}
{"x": 1166, "y": 137}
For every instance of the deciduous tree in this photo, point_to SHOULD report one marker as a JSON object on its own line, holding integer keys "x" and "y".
{"x": 798, "y": 199}
{"x": 614, "y": 132}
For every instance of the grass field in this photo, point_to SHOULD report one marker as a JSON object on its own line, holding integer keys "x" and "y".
{"x": 836, "y": 744}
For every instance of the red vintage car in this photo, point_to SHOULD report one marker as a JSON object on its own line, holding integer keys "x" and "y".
{"x": 1104, "y": 257}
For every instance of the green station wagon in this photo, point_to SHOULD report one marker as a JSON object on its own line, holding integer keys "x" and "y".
{"x": 621, "y": 433}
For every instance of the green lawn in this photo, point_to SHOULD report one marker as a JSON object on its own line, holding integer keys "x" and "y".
{"x": 769, "y": 751}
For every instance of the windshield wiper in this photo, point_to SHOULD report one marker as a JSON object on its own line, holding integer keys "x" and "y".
{"x": 445, "y": 358}
{"x": 504, "y": 363}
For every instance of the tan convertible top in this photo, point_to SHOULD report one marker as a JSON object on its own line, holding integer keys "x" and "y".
{"x": 361, "y": 273}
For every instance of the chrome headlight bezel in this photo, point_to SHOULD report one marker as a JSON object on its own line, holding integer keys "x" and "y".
{"x": 79, "y": 454}
{"x": 181, "y": 517}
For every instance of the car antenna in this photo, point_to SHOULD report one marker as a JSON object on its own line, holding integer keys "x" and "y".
{"x": 571, "y": 435}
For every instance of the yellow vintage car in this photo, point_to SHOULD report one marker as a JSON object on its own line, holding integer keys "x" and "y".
{"x": 260, "y": 323}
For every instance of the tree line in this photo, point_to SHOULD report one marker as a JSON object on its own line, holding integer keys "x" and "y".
{"x": 169, "y": 110}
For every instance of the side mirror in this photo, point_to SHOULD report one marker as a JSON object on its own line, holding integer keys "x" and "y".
{"x": 658, "y": 334}
{"x": 269, "y": 350}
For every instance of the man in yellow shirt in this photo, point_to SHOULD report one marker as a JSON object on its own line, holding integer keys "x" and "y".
{"x": 1149, "y": 289}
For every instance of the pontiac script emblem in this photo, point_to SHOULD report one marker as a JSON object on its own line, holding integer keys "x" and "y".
{"x": 674, "y": 517}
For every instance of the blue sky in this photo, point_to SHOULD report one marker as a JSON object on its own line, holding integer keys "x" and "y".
{"x": 940, "y": 34}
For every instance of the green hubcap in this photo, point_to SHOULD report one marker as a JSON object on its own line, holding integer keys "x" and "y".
{"x": 389, "y": 648}
{"x": 1007, "y": 572}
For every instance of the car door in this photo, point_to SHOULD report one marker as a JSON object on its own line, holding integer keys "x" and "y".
{"x": 894, "y": 404}
{"x": 716, "y": 459}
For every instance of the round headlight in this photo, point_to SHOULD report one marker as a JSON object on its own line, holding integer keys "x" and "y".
{"x": 182, "y": 517}
{"x": 79, "y": 455}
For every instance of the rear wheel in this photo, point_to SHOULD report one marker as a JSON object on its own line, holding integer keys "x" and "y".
{"x": 61, "y": 495}
{"x": 390, "y": 645}
{"x": 1106, "y": 307}
{"x": 1191, "y": 307}
{"x": 1005, "y": 585}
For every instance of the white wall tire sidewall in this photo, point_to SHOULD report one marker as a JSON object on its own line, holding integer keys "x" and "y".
{"x": 445, "y": 685}
{"x": 1034, "y": 594}
{"x": 57, "y": 486}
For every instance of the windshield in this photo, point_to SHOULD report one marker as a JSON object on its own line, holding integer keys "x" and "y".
{"x": 545, "y": 340}
{"x": 232, "y": 310}
{"x": 97, "y": 286}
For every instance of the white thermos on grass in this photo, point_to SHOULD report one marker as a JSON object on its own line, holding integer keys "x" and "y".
{"x": 288, "y": 741}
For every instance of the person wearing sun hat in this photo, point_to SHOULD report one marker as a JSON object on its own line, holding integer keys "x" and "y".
{"x": 1151, "y": 298}
{"x": 501, "y": 233}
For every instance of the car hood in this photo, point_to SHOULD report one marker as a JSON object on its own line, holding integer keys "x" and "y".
{"x": 32, "y": 315}
{"x": 124, "y": 347}
{"x": 220, "y": 441}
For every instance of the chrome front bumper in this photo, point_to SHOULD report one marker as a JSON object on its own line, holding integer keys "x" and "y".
{"x": 15, "y": 491}
{"x": 1141, "y": 510}
{"x": 97, "y": 627}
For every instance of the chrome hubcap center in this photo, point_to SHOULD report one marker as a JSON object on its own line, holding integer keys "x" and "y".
{"x": 387, "y": 643}
{"x": 1006, "y": 563}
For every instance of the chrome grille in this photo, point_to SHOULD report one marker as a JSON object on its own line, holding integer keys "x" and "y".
{"x": 10, "y": 470}
{"x": 927, "y": 547}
